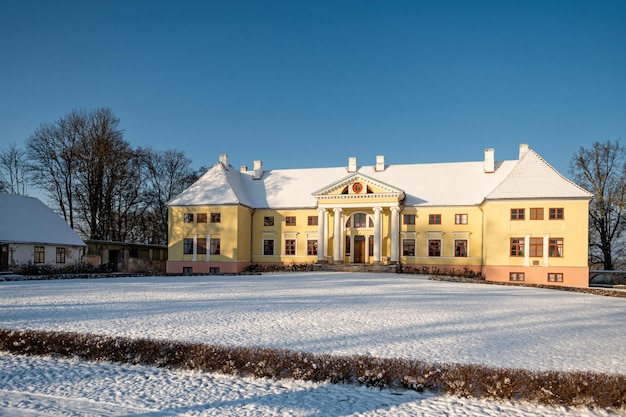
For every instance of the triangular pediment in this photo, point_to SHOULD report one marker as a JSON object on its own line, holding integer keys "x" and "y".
{"x": 358, "y": 185}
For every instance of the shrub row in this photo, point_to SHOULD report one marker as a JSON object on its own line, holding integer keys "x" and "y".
{"x": 76, "y": 268}
{"x": 587, "y": 389}
{"x": 439, "y": 271}
{"x": 280, "y": 267}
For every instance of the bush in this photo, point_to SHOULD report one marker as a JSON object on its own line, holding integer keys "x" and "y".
{"x": 280, "y": 267}
{"x": 588, "y": 389}
{"x": 76, "y": 268}
{"x": 439, "y": 271}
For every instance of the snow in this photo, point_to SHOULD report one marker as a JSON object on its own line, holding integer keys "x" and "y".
{"x": 376, "y": 314}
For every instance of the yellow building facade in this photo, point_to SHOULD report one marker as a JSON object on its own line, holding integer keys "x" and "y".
{"x": 516, "y": 220}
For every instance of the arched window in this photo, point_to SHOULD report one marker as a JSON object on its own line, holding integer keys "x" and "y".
{"x": 358, "y": 220}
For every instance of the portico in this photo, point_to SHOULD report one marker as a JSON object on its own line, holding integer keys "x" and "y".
{"x": 360, "y": 219}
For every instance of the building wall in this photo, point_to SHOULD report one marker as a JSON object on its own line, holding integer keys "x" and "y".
{"x": 572, "y": 229}
{"x": 24, "y": 254}
{"x": 232, "y": 230}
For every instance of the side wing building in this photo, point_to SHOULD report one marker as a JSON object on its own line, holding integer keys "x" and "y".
{"x": 516, "y": 220}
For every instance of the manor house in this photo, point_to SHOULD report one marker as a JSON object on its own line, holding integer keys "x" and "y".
{"x": 513, "y": 220}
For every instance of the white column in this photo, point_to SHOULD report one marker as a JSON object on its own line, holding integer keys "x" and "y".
{"x": 395, "y": 234}
{"x": 337, "y": 236}
{"x": 208, "y": 248}
{"x": 321, "y": 235}
{"x": 195, "y": 248}
{"x": 377, "y": 233}
{"x": 352, "y": 249}
{"x": 527, "y": 250}
{"x": 546, "y": 250}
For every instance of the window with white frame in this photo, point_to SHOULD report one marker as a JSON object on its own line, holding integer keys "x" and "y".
{"x": 408, "y": 247}
{"x": 460, "y": 248}
{"x": 434, "y": 247}
{"x": 460, "y": 219}
{"x": 268, "y": 247}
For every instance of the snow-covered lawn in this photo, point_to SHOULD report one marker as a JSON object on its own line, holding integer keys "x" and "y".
{"x": 377, "y": 314}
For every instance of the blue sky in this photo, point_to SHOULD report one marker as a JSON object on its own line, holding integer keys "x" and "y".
{"x": 310, "y": 83}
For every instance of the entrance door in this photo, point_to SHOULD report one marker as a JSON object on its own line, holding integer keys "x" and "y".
{"x": 359, "y": 249}
{"x": 4, "y": 257}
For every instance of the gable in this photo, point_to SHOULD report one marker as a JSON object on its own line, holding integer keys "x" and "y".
{"x": 358, "y": 187}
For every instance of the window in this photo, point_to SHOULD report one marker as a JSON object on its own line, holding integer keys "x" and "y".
{"x": 517, "y": 214}
{"x": 290, "y": 246}
{"x": 460, "y": 248}
{"x": 311, "y": 247}
{"x": 215, "y": 246}
{"x": 216, "y": 217}
{"x": 434, "y": 247}
{"x": 555, "y": 247}
{"x": 536, "y": 214}
{"x": 187, "y": 246}
{"x": 536, "y": 247}
{"x": 347, "y": 245}
{"x": 555, "y": 277}
{"x": 201, "y": 246}
{"x": 214, "y": 270}
{"x": 60, "y": 255}
{"x": 460, "y": 219}
{"x": 556, "y": 213}
{"x": 370, "y": 250}
{"x": 187, "y": 270}
{"x": 517, "y": 246}
{"x": 290, "y": 220}
{"x": 434, "y": 219}
{"x": 268, "y": 221}
{"x": 201, "y": 218}
{"x": 188, "y": 218}
{"x": 311, "y": 221}
{"x": 516, "y": 276}
{"x": 268, "y": 246}
{"x": 409, "y": 219}
{"x": 359, "y": 220}
{"x": 408, "y": 247}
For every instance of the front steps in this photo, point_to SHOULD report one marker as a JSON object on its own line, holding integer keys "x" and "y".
{"x": 359, "y": 268}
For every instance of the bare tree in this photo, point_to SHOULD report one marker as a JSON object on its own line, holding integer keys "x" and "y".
{"x": 602, "y": 171}
{"x": 52, "y": 150}
{"x": 168, "y": 173}
{"x": 13, "y": 170}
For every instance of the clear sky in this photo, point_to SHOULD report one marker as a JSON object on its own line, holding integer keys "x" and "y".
{"x": 309, "y": 83}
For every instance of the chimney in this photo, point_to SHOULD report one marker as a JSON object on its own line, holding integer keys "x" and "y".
{"x": 258, "y": 170}
{"x": 224, "y": 160}
{"x": 523, "y": 148}
{"x": 243, "y": 168}
{"x": 489, "y": 161}
{"x": 352, "y": 164}
{"x": 380, "y": 163}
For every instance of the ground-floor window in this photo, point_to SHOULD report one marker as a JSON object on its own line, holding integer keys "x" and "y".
{"x": 408, "y": 247}
{"x": 460, "y": 248}
{"x": 60, "y": 255}
{"x": 268, "y": 246}
{"x": 201, "y": 246}
{"x": 516, "y": 276}
{"x": 215, "y": 246}
{"x": 40, "y": 254}
{"x": 434, "y": 247}
{"x": 311, "y": 247}
{"x": 517, "y": 246}
{"x": 555, "y": 277}
{"x": 187, "y": 270}
{"x": 536, "y": 247}
{"x": 188, "y": 246}
{"x": 214, "y": 270}
{"x": 290, "y": 246}
{"x": 555, "y": 248}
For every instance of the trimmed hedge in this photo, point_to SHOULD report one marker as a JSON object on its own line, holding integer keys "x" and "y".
{"x": 588, "y": 389}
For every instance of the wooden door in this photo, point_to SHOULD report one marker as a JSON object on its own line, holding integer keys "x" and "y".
{"x": 359, "y": 249}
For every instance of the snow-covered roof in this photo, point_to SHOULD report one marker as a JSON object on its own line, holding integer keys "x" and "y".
{"x": 28, "y": 220}
{"x": 437, "y": 184}
{"x": 533, "y": 177}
